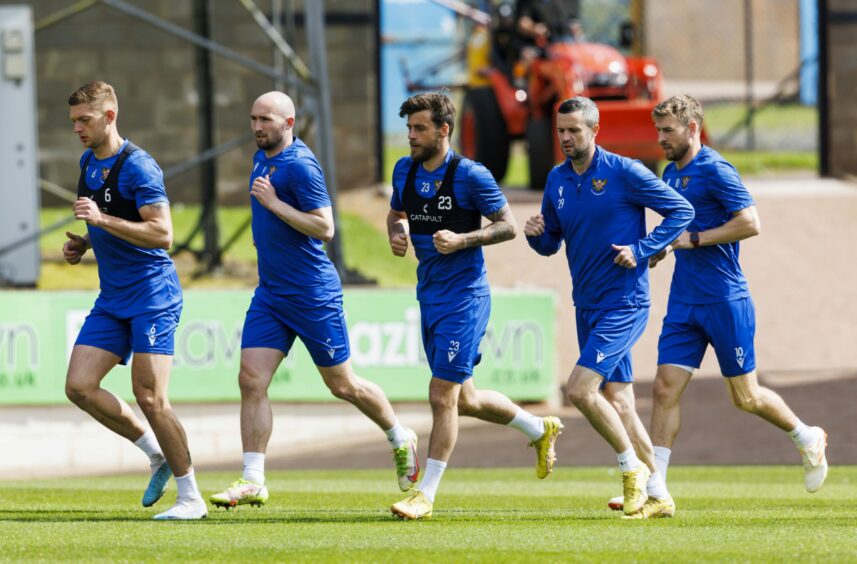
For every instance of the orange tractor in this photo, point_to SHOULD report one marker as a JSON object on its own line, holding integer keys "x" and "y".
{"x": 504, "y": 105}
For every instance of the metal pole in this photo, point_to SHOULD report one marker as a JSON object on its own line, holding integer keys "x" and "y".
{"x": 823, "y": 91}
{"x": 63, "y": 14}
{"x": 748, "y": 72}
{"x": 277, "y": 21}
{"x": 379, "y": 107}
{"x": 277, "y": 39}
{"x": 211, "y": 258}
{"x": 196, "y": 39}
{"x": 314, "y": 10}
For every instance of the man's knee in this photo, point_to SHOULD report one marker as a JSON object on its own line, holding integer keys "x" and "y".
{"x": 342, "y": 382}
{"x": 665, "y": 394}
{"x": 623, "y": 405}
{"x": 443, "y": 398}
{"x": 76, "y": 393}
{"x": 751, "y": 403}
{"x": 468, "y": 404}
{"x": 343, "y": 389}
{"x": 580, "y": 395}
{"x": 251, "y": 382}
{"x": 150, "y": 403}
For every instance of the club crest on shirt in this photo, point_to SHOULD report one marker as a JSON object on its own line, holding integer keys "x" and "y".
{"x": 685, "y": 180}
{"x": 105, "y": 172}
{"x": 437, "y": 184}
{"x": 272, "y": 170}
{"x": 598, "y": 186}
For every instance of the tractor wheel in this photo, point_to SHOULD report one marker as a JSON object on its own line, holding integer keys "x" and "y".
{"x": 540, "y": 151}
{"x": 483, "y": 131}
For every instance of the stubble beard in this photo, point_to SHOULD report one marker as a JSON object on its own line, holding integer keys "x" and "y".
{"x": 677, "y": 152}
{"x": 578, "y": 154}
{"x": 269, "y": 142}
{"x": 427, "y": 153}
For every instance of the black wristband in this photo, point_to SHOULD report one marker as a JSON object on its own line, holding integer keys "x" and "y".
{"x": 694, "y": 239}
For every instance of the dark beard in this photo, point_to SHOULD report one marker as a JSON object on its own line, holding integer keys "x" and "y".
{"x": 579, "y": 155}
{"x": 427, "y": 153}
{"x": 270, "y": 143}
{"x": 679, "y": 153}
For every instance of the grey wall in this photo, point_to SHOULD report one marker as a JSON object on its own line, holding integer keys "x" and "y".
{"x": 153, "y": 74}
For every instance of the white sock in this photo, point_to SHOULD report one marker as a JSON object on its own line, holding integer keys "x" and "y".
{"x": 431, "y": 478}
{"x": 662, "y": 460}
{"x": 254, "y": 467}
{"x": 656, "y": 487}
{"x": 527, "y": 423}
{"x": 149, "y": 444}
{"x": 802, "y": 435}
{"x": 397, "y": 435}
{"x": 187, "y": 488}
{"x": 628, "y": 460}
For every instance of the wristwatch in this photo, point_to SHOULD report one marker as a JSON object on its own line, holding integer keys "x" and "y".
{"x": 694, "y": 239}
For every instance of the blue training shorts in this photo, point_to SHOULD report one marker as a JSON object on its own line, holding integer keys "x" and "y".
{"x": 273, "y": 322}
{"x": 605, "y": 338}
{"x": 729, "y": 326}
{"x": 451, "y": 335}
{"x": 143, "y": 320}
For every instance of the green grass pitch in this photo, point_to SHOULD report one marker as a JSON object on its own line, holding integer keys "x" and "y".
{"x": 731, "y": 514}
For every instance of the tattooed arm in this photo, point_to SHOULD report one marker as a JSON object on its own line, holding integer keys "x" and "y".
{"x": 502, "y": 228}
{"x": 154, "y": 232}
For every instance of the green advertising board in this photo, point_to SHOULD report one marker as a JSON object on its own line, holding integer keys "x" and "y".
{"x": 38, "y": 329}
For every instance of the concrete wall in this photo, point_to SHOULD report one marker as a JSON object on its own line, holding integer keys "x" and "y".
{"x": 842, "y": 87}
{"x": 705, "y": 40}
{"x": 153, "y": 73}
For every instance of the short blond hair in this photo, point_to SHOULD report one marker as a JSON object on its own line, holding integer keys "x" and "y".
{"x": 684, "y": 108}
{"x": 98, "y": 94}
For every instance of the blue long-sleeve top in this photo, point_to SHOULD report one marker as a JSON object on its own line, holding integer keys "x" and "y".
{"x": 603, "y": 206}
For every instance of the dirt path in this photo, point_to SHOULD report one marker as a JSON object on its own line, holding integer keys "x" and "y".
{"x": 803, "y": 274}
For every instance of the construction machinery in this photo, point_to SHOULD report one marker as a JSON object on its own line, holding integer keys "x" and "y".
{"x": 509, "y": 100}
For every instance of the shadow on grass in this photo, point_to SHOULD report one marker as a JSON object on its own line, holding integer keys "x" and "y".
{"x": 67, "y": 516}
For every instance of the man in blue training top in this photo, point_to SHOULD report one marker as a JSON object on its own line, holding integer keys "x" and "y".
{"x": 122, "y": 199}
{"x": 299, "y": 295}
{"x": 438, "y": 202}
{"x": 709, "y": 298}
{"x": 595, "y": 201}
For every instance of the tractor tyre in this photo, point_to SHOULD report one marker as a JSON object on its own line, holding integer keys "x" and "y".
{"x": 483, "y": 133}
{"x": 540, "y": 151}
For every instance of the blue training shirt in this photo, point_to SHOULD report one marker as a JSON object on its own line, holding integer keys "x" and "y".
{"x": 603, "y": 206}
{"x": 123, "y": 266}
{"x": 290, "y": 263}
{"x": 709, "y": 274}
{"x": 462, "y": 274}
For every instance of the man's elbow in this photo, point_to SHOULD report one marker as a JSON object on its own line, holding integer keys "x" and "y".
{"x": 164, "y": 239}
{"x": 513, "y": 230}
{"x": 327, "y": 235}
{"x": 754, "y": 228}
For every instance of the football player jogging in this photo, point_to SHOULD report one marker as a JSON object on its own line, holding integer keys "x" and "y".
{"x": 122, "y": 199}
{"x": 709, "y": 301}
{"x": 299, "y": 295}
{"x": 595, "y": 201}
{"x": 438, "y": 202}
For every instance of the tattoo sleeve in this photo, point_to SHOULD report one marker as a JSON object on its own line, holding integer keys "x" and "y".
{"x": 502, "y": 228}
